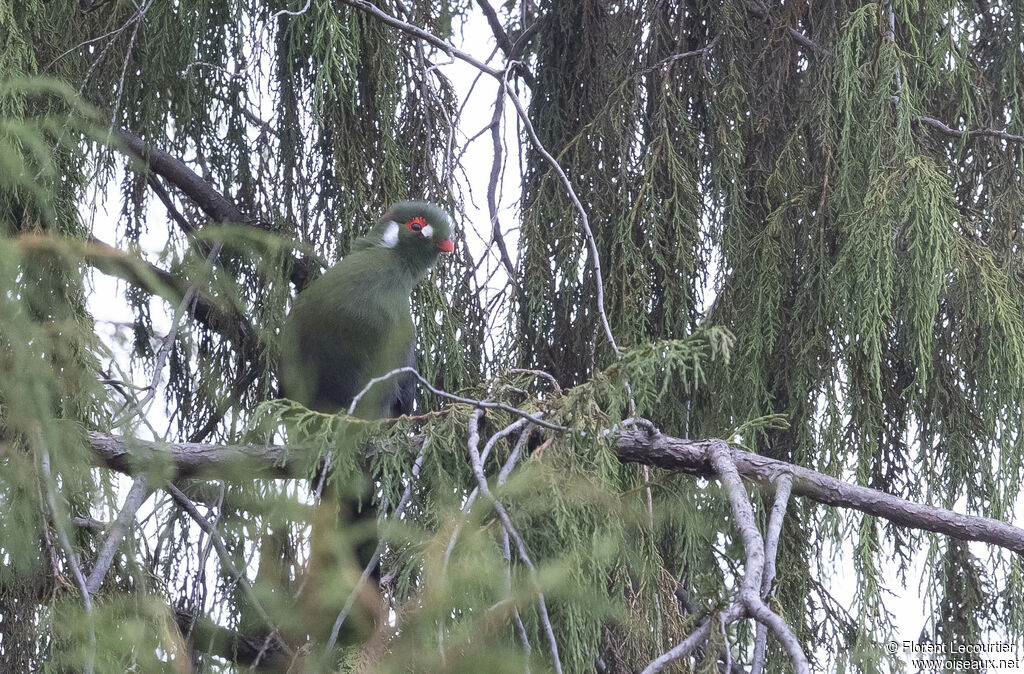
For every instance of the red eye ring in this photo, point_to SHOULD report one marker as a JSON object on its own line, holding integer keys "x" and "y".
{"x": 417, "y": 223}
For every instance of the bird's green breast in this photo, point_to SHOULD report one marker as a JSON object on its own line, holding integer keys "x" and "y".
{"x": 349, "y": 326}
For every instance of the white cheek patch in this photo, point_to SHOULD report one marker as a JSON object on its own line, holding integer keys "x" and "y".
{"x": 427, "y": 231}
{"x": 390, "y": 237}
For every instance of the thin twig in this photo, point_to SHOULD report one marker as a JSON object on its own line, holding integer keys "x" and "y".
{"x": 416, "y": 31}
{"x": 488, "y": 404}
{"x": 539, "y": 373}
{"x": 506, "y": 521}
{"x": 289, "y": 12}
{"x": 127, "y": 57}
{"x": 65, "y": 544}
{"x": 584, "y": 220}
{"x": 225, "y": 558}
{"x": 492, "y": 184}
{"x": 686, "y": 54}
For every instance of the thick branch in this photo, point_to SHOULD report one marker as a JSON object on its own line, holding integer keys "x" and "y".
{"x": 189, "y": 459}
{"x": 212, "y": 202}
{"x": 690, "y": 456}
{"x": 242, "y": 649}
{"x": 207, "y": 311}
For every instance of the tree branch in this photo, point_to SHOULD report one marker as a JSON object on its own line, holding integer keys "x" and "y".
{"x": 506, "y": 521}
{"x": 970, "y": 133}
{"x": 783, "y": 485}
{"x": 723, "y": 459}
{"x": 506, "y": 45}
{"x": 495, "y": 177}
{"x": 242, "y": 462}
{"x": 136, "y": 497}
{"x": 212, "y": 202}
{"x": 208, "y": 312}
{"x": 688, "y": 456}
{"x": 416, "y": 31}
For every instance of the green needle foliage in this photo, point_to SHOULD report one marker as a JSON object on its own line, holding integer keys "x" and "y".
{"x": 807, "y": 219}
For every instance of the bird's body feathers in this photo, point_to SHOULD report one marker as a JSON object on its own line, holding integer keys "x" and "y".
{"x": 354, "y": 324}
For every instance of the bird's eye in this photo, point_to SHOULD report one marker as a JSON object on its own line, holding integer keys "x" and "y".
{"x": 416, "y": 224}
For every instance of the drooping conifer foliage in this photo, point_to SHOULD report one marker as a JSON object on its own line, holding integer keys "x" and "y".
{"x": 807, "y": 222}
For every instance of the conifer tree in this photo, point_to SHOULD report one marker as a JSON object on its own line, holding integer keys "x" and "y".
{"x": 746, "y": 355}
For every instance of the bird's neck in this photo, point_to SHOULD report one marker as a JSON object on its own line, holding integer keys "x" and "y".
{"x": 387, "y": 270}
{"x": 408, "y": 263}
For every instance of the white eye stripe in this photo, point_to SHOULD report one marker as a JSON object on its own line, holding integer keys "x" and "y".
{"x": 427, "y": 231}
{"x": 390, "y": 237}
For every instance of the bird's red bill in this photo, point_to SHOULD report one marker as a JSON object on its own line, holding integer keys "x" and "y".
{"x": 446, "y": 246}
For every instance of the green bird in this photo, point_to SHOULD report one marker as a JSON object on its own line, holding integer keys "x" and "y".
{"x": 354, "y": 324}
{"x": 348, "y": 327}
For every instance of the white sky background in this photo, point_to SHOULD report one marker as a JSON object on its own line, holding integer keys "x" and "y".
{"x": 109, "y": 306}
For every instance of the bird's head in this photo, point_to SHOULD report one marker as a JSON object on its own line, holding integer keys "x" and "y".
{"x": 419, "y": 230}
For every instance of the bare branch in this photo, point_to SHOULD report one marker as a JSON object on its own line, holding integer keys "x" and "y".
{"x": 721, "y": 458}
{"x": 584, "y": 220}
{"x": 689, "y": 456}
{"x": 291, "y": 13}
{"x": 539, "y": 373}
{"x": 184, "y": 459}
{"x": 225, "y": 559}
{"x": 970, "y": 133}
{"x": 136, "y": 497}
{"x": 517, "y": 620}
{"x": 783, "y": 486}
